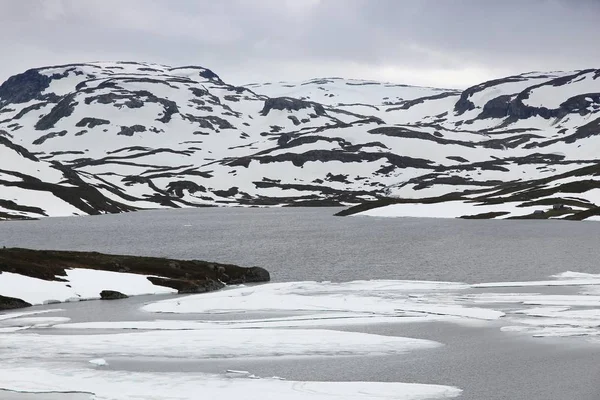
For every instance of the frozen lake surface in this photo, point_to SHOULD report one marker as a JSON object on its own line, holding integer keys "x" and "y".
{"x": 474, "y": 355}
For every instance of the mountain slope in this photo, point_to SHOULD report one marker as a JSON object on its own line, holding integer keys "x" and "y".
{"x": 113, "y": 137}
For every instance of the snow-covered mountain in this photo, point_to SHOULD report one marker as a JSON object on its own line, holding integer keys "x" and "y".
{"x": 111, "y": 137}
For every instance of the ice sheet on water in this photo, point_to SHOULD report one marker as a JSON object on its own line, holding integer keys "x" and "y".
{"x": 366, "y": 302}
{"x": 306, "y": 321}
{"x": 568, "y": 278}
{"x": 34, "y": 322}
{"x": 380, "y": 298}
{"x": 211, "y": 344}
{"x": 11, "y": 315}
{"x": 111, "y": 385}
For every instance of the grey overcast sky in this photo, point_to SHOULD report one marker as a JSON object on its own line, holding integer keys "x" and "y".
{"x": 445, "y": 43}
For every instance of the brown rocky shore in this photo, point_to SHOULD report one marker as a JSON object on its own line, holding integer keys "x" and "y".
{"x": 186, "y": 276}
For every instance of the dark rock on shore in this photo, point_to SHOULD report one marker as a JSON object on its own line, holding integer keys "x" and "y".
{"x": 48, "y": 264}
{"x": 11, "y": 303}
{"x": 186, "y": 276}
{"x": 112, "y": 295}
{"x": 188, "y": 286}
{"x": 253, "y": 274}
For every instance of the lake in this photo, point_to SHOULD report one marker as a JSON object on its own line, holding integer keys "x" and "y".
{"x": 297, "y": 244}
{"x": 311, "y": 244}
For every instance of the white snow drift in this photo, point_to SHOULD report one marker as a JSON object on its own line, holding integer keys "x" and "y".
{"x": 79, "y": 284}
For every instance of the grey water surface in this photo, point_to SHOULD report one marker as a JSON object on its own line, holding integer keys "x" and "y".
{"x": 311, "y": 244}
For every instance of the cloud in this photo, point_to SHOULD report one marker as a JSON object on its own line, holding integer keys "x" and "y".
{"x": 452, "y": 43}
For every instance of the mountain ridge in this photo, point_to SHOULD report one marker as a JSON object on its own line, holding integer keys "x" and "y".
{"x": 108, "y": 137}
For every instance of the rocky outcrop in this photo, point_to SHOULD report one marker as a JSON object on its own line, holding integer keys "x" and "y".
{"x": 514, "y": 107}
{"x": 253, "y": 274}
{"x": 203, "y": 72}
{"x": 178, "y": 187}
{"x": 131, "y": 130}
{"x": 23, "y": 87}
{"x": 290, "y": 104}
{"x": 464, "y": 104}
{"x": 11, "y": 303}
{"x": 186, "y": 276}
{"x": 91, "y": 122}
{"x": 17, "y": 148}
{"x": 112, "y": 295}
{"x": 64, "y": 108}
{"x": 184, "y": 286}
{"x": 47, "y": 136}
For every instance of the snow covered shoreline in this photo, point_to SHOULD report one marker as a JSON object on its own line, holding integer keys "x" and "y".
{"x": 34, "y": 277}
{"x": 80, "y": 285}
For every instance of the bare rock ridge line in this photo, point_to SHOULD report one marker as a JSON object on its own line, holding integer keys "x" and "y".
{"x": 112, "y": 137}
{"x": 186, "y": 276}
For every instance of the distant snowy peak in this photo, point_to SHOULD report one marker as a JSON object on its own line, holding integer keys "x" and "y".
{"x": 110, "y": 137}
{"x": 346, "y": 92}
{"x": 523, "y": 96}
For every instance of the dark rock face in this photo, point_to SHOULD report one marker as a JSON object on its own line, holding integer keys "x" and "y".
{"x": 11, "y": 303}
{"x": 413, "y": 134}
{"x": 496, "y": 108}
{"x": 19, "y": 149}
{"x": 134, "y": 103}
{"x": 186, "y": 276}
{"x": 112, "y": 295}
{"x": 592, "y": 128}
{"x": 294, "y": 120}
{"x": 130, "y": 130}
{"x": 23, "y": 87}
{"x": 178, "y": 187}
{"x": 337, "y": 178}
{"x": 284, "y": 138}
{"x": 514, "y": 108}
{"x": 32, "y": 107}
{"x": 208, "y": 74}
{"x": 290, "y": 104}
{"x": 254, "y": 274}
{"x": 170, "y": 108}
{"x": 227, "y": 193}
{"x": 464, "y": 104}
{"x": 50, "y": 135}
{"x": 458, "y": 158}
{"x": 91, "y": 122}
{"x": 136, "y": 99}
{"x": 334, "y": 155}
{"x": 507, "y": 107}
{"x": 64, "y": 108}
{"x": 203, "y": 72}
{"x": 208, "y": 122}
